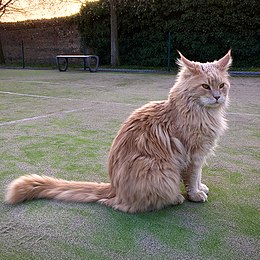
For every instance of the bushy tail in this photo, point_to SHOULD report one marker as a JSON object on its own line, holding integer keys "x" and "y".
{"x": 38, "y": 187}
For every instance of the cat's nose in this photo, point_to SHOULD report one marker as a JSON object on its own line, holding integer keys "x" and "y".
{"x": 216, "y": 94}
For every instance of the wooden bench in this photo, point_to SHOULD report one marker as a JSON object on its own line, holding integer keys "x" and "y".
{"x": 90, "y": 61}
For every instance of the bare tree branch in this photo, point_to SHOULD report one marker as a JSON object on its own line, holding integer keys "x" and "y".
{"x": 29, "y": 6}
{"x": 7, "y": 6}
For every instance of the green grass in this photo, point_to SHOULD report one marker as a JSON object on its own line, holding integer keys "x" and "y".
{"x": 75, "y": 145}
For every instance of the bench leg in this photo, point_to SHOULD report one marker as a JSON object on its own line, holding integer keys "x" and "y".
{"x": 85, "y": 60}
{"x": 62, "y": 66}
{"x": 94, "y": 69}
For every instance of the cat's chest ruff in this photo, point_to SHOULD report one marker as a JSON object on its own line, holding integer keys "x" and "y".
{"x": 204, "y": 121}
{"x": 200, "y": 133}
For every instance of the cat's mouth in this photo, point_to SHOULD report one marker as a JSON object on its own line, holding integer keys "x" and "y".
{"x": 210, "y": 102}
{"x": 214, "y": 104}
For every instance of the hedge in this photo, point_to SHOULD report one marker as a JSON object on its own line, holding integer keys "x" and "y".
{"x": 201, "y": 30}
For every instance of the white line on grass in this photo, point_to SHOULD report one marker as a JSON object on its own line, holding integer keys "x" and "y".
{"x": 36, "y": 96}
{"x": 38, "y": 82}
{"x": 30, "y": 81}
{"x": 43, "y": 116}
{"x": 62, "y": 98}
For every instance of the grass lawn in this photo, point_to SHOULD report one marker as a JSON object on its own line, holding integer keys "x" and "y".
{"x": 62, "y": 125}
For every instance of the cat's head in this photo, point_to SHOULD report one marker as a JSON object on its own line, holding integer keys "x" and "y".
{"x": 206, "y": 84}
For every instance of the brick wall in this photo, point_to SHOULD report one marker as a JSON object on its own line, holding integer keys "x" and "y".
{"x": 42, "y": 40}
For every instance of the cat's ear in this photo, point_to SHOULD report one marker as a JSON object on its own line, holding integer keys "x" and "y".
{"x": 191, "y": 65}
{"x": 225, "y": 62}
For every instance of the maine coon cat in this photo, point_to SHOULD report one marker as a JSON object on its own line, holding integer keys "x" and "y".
{"x": 158, "y": 146}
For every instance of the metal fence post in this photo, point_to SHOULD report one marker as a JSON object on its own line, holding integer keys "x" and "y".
{"x": 23, "y": 54}
{"x": 169, "y": 51}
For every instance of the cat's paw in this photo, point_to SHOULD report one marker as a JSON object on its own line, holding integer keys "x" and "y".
{"x": 204, "y": 188}
{"x": 199, "y": 196}
{"x": 180, "y": 199}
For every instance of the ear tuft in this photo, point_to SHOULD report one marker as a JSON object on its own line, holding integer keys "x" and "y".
{"x": 225, "y": 62}
{"x": 191, "y": 65}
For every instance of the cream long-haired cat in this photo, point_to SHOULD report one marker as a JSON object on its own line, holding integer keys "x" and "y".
{"x": 159, "y": 145}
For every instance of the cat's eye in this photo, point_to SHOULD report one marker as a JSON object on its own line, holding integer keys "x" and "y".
{"x": 222, "y": 85}
{"x": 206, "y": 86}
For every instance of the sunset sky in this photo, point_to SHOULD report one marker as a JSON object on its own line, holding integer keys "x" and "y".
{"x": 40, "y": 12}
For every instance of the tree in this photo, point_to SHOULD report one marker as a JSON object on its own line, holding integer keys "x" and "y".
{"x": 15, "y": 6}
{"x": 114, "y": 33}
{"x": 6, "y": 7}
{"x": 26, "y": 7}
{"x": 10, "y": 6}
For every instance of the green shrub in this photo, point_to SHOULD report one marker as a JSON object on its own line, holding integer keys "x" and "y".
{"x": 201, "y": 30}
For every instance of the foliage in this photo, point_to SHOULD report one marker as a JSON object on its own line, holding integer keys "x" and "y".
{"x": 95, "y": 29}
{"x": 202, "y": 30}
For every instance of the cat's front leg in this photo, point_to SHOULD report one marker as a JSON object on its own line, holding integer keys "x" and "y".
{"x": 197, "y": 193}
{"x": 196, "y": 190}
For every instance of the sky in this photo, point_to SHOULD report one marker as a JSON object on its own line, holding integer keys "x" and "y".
{"x": 42, "y": 13}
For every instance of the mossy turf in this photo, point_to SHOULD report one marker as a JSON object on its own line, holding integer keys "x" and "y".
{"x": 75, "y": 117}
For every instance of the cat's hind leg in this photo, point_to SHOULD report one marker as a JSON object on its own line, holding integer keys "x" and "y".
{"x": 147, "y": 190}
{"x": 138, "y": 206}
{"x": 117, "y": 204}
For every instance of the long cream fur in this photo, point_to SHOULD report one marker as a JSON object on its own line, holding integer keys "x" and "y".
{"x": 159, "y": 145}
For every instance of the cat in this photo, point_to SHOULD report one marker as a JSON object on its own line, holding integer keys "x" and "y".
{"x": 158, "y": 146}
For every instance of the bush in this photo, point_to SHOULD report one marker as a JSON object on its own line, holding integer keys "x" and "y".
{"x": 201, "y": 30}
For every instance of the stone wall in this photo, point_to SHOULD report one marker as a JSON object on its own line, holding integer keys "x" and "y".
{"x": 42, "y": 40}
